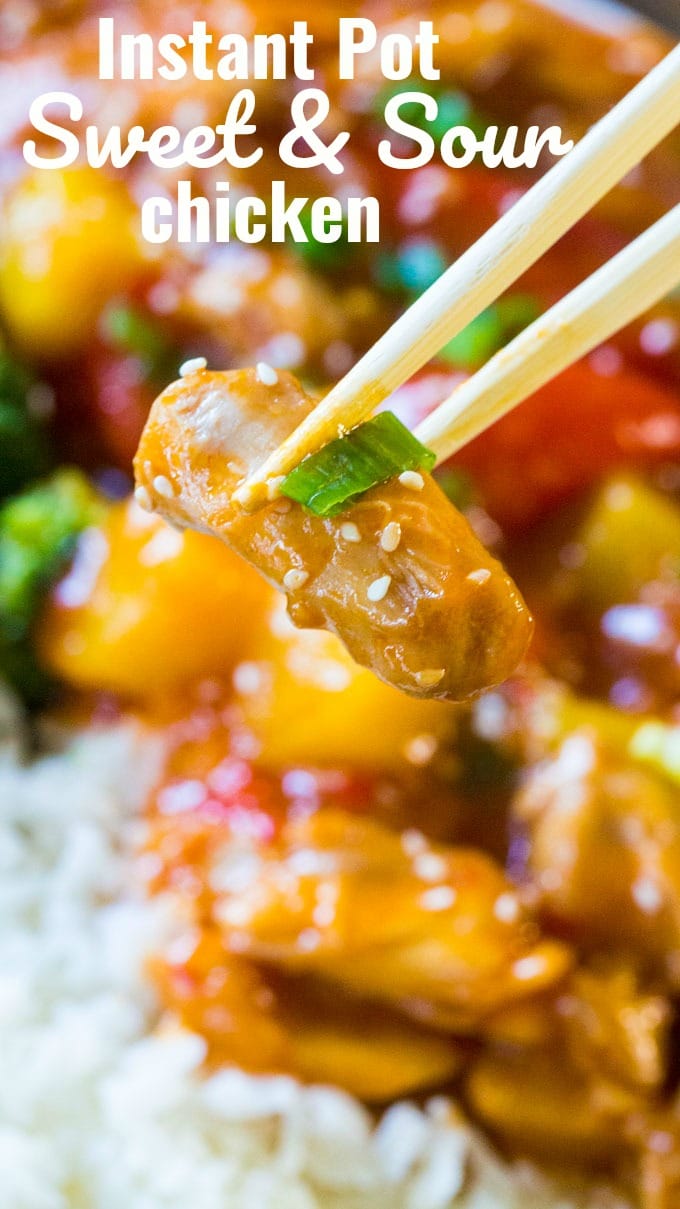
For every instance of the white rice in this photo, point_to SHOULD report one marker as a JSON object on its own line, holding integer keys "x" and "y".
{"x": 100, "y": 1108}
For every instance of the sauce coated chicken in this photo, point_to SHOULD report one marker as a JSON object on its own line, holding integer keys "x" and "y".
{"x": 399, "y": 576}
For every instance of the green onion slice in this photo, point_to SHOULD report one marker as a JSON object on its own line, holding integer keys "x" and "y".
{"x": 330, "y": 480}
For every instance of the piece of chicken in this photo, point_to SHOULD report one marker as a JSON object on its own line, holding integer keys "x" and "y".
{"x": 435, "y": 931}
{"x": 399, "y": 575}
{"x": 604, "y": 853}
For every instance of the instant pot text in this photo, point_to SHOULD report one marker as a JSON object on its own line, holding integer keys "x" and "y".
{"x": 190, "y": 213}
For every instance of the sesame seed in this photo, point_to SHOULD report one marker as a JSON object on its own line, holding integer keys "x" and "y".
{"x": 479, "y": 577}
{"x": 412, "y": 479}
{"x": 390, "y": 537}
{"x": 163, "y": 486}
{"x": 379, "y": 588}
{"x": 143, "y": 498}
{"x": 350, "y": 532}
{"x": 266, "y": 374}
{"x": 430, "y": 676}
{"x": 295, "y": 579}
{"x": 192, "y": 366}
{"x": 282, "y": 505}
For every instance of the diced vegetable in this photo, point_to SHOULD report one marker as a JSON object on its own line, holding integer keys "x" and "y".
{"x": 613, "y": 728}
{"x": 658, "y": 744}
{"x": 531, "y": 718}
{"x": 37, "y": 534}
{"x": 455, "y": 108}
{"x": 122, "y": 371}
{"x": 330, "y": 480}
{"x": 292, "y": 674}
{"x": 115, "y": 400}
{"x": 69, "y": 242}
{"x": 490, "y": 331}
{"x": 412, "y": 267}
{"x": 566, "y": 437}
{"x": 146, "y": 608}
{"x": 325, "y": 257}
{"x": 22, "y": 439}
{"x": 128, "y": 330}
{"x": 630, "y": 536}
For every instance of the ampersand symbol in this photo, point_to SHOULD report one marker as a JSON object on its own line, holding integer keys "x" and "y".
{"x": 305, "y": 128}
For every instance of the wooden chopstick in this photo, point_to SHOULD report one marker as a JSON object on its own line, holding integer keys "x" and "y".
{"x": 612, "y": 297}
{"x": 603, "y": 156}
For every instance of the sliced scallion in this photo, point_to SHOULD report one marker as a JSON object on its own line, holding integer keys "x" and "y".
{"x": 330, "y": 480}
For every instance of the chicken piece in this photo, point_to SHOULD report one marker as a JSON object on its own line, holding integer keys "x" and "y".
{"x": 267, "y": 1025}
{"x": 436, "y": 932}
{"x": 297, "y": 876}
{"x": 616, "y": 1030}
{"x": 436, "y": 616}
{"x": 252, "y": 301}
{"x": 570, "y": 1089}
{"x": 604, "y": 856}
{"x": 656, "y": 1139}
{"x": 371, "y": 1051}
{"x": 211, "y": 813}
{"x": 223, "y": 999}
{"x": 297, "y": 873}
{"x": 539, "y": 1104}
{"x": 604, "y": 1021}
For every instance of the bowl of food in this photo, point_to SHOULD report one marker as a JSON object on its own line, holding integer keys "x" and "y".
{"x": 364, "y": 891}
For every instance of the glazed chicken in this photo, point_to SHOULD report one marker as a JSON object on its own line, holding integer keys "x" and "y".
{"x": 399, "y": 576}
{"x": 306, "y": 912}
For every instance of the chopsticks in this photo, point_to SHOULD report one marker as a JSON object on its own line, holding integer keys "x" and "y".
{"x": 604, "y": 155}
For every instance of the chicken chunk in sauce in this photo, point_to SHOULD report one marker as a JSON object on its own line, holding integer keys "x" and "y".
{"x": 399, "y": 576}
